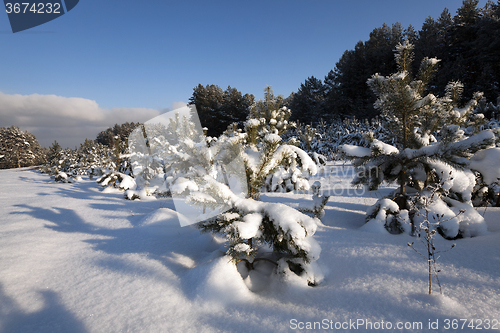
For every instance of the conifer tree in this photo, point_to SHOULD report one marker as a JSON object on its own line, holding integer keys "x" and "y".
{"x": 205, "y": 175}
{"x": 218, "y": 108}
{"x": 54, "y": 152}
{"x": 429, "y": 136}
{"x": 19, "y": 149}
{"x": 308, "y": 103}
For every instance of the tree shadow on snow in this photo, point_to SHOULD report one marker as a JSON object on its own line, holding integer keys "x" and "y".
{"x": 62, "y": 219}
{"x": 163, "y": 240}
{"x": 88, "y": 190}
{"x": 37, "y": 180}
{"x": 53, "y": 317}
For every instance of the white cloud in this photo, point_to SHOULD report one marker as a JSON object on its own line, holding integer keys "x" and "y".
{"x": 178, "y": 105}
{"x": 69, "y": 120}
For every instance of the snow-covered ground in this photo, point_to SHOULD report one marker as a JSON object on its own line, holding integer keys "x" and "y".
{"x": 75, "y": 259}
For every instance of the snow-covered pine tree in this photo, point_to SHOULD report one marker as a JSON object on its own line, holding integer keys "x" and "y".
{"x": 19, "y": 149}
{"x": 316, "y": 207}
{"x": 430, "y": 142}
{"x": 271, "y": 163}
{"x": 54, "y": 152}
{"x": 307, "y": 135}
{"x": 263, "y": 231}
{"x": 147, "y": 145}
{"x": 167, "y": 151}
{"x": 190, "y": 158}
{"x": 225, "y": 178}
{"x": 53, "y": 157}
{"x": 206, "y": 175}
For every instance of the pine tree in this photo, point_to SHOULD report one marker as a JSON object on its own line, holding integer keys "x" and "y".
{"x": 269, "y": 162}
{"x": 107, "y": 137}
{"x": 308, "y": 102}
{"x": 418, "y": 158}
{"x": 400, "y": 99}
{"x": 205, "y": 174}
{"x": 217, "y": 108}
{"x": 19, "y": 149}
{"x": 236, "y": 106}
{"x": 54, "y": 151}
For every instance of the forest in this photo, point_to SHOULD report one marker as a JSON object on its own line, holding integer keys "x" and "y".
{"x": 467, "y": 43}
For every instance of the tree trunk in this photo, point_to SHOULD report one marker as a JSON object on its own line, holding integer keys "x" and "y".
{"x": 402, "y": 180}
{"x": 402, "y": 192}
{"x": 429, "y": 252}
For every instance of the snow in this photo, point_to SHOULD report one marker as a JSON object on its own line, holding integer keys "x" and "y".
{"x": 181, "y": 184}
{"x": 127, "y": 182}
{"x": 377, "y": 224}
{"x": 470, "y": 222}
{"x": 433, "y": 61}
{"x": 460, "y": 181}
{"x": 448, "y": 221}
{"x": 487, "y": 162}
{"x": 384, "y": 148}
{"x": 474, "y": 140}
{"x": 400, "y": 76}
{"x": 76, "y": 259}
{"x": 252, "y": 122}
{"x": 355, "y": 151}
{"x": 307, "y": 162}
{"x": 249, "y": 228}
{"x": 272, "y": 138}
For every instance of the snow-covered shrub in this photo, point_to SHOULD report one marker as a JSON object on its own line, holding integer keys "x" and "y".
{"x": 430, "y": 140}
{"x": 294, "y": 172}
{"x": 386, "y": 215}
{"x": 118, "y": 180}
{"x": 166, "y": 149}
{"x": 319, "y": 200}
{"x": 487, "y": 189}
{"x": 91, "y": 158}
{"x": 146, "y": 160}
{"x": 62, "y": 177}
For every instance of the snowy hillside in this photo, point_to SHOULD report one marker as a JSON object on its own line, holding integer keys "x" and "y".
{"x": 75, "y": 259}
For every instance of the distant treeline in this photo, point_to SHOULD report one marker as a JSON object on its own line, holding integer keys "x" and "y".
{"x": 468, "y": 45}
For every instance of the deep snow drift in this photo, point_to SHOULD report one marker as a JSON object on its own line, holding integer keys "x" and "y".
{"x": 75, "y": 259}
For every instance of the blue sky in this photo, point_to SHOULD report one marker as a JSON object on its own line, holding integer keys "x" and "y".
{"x": 133, "y": 58}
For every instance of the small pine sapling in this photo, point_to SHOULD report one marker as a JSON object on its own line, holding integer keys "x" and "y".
{"x": 62, "y": 177}
{"x": 252, "y": 227}
{"x": 222, "y": 180}
{"x": 307, "y": 135}
{"x": 319, "y": 200}
{"x": 117, "y": 179}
